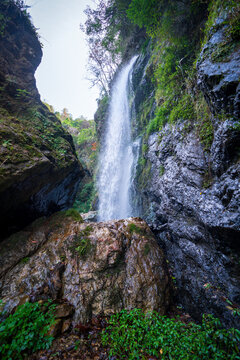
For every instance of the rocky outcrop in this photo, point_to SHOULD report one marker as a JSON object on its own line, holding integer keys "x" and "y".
{"x": 189, "y": 195}
{"x": 98, "y": 268}
{"x": 39, "y": 170}
{"x": 219, "y": 70}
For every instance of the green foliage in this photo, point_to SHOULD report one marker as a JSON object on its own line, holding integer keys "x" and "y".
{"x": 85, "y": 197}
{"x": 22, "y": 93}
{"x": 133, "y": 334}
{"x": 146, "y": 249}
{"x": 3, "y": 22}
{"x": 25, "y": 260}
{"x": 215, "y": 8}
{"x": 74, "y": 214}
{"x": 26, "y": 330}
{"x": 106, "y": 28}
{"x": 82, "y": 244}
{"x": 146, "y": 13}
{"x": 160, "y": 119}
{"x": 133, "y": 228}
{"x": 206, "y": 133}
{"x": 86, "y": 135}
{"x": 161, "y": 170}
{"x": 184, "y": 109}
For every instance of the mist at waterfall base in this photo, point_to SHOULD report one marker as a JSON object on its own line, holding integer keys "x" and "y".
{"x": 117, "y": 156}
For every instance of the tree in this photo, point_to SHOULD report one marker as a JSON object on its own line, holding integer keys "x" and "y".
{"x": 106, "y": 28}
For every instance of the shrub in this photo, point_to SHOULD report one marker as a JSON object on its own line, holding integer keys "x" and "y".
{"x": 133, "y": 334}
{"x": 26, "y": 330}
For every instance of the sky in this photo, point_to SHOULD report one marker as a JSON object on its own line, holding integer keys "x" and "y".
{"x": 62, "y": 75}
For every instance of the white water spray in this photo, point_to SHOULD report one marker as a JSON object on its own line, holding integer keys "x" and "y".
{"x": 116, "y": 159}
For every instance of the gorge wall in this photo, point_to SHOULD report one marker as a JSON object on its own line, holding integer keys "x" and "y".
{"x": 186, "y": 111}
{"x": 39, "y": 170}
{"x": 188, "y": 178}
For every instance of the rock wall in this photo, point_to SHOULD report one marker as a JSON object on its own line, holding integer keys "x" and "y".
{"x": 39, "y": 170}
{"x": 190, "y": 195}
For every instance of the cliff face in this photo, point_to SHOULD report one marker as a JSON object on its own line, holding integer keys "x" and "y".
{"x": 39, "y": 170}
{"x": 189, "y": 186}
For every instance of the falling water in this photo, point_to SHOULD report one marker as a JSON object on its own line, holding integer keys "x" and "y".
{"x": 116, "y": 160}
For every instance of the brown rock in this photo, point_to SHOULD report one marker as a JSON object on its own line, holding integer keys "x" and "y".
{"x": 55, "y": 328}
{"x": 66, "y": 325}
{"x": 63, "y": 311}
{"x": 108, "y": 266}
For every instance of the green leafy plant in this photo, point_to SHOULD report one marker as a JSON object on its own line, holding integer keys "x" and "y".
{"x": 82, "y": 244}
{"x": 26, "y": 330}
{"x": 134, "y": 335}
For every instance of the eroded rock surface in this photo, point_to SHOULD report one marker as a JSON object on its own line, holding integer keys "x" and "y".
{"x": 98, "y": 268}
{"x": 219, "y": 70}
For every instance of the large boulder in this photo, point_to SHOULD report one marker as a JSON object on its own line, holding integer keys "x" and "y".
{"x": 39, "y": 170}
{"x": 99, "y": 268}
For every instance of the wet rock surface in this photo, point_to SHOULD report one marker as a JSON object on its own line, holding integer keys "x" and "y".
{"x": 190, "y": 197}
{"x": 39, "y": 170}
{"x": 96, "y": 268}
{"x": 219, "y": 70}
{"x": 197, "y": 226}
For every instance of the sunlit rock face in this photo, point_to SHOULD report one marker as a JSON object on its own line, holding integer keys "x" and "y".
{"x": 99, "y": 268}
{"x": 39, "y": 170}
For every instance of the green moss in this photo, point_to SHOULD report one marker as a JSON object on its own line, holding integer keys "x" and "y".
{"x": 161, "y": 170}
{"x": 206, "y": 133}
{"x": 143, "y": 172}
{"x": 25, "y": 260}
{"x": 223, "y": 51}
{"x": 133, "y": 228}
{"x": 184, "y": 109}
{"x": 146, "y": 249}
{"x": 160, "y": 119}
{"x": 145, "y": 113}
{"x": 74, "y": 214}
{"x": 216, "y": 7}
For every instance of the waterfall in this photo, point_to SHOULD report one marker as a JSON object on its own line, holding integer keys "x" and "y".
{"x": 116, "y": 158}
